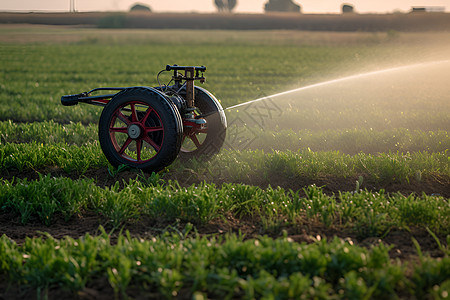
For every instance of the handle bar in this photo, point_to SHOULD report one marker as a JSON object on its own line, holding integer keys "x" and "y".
{"x": 180, "y": 68}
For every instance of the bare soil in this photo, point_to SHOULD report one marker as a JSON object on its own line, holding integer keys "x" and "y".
{"x": 430, "y": 185}
{"x": 308, "y": 232}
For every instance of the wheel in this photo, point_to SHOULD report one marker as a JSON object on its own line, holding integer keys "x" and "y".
{"x": 209, "y": 141}
{"x": 140, "y": 128}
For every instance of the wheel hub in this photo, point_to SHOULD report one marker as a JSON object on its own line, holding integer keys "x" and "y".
{"x": 134, "y": 131}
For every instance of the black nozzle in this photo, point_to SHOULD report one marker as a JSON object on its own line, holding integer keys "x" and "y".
{"x": 70, "y": 100}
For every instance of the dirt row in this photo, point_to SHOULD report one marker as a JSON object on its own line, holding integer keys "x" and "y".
{"x": 430, "y": 185}
{"x": 307, "y": 232}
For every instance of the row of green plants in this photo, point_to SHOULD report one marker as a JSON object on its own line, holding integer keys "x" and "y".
{"x": 48, "y": 132}
{"x": 363, "y": 212}
{"x": 227, "y": 267}
{"x": 248, "y": 166}
{"x": 260, "y": 166}
{"x": 350, "y": 141}
{"x": 320, "y": 116}
{"x": 35, "y": 156}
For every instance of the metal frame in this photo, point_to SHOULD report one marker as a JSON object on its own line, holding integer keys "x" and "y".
{"x": 191, "y": 122}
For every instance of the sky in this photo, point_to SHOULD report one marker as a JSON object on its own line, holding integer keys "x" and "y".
{"x": 243, "y": 6}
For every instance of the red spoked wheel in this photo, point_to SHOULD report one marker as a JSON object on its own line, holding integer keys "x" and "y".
{"x": 140, "y": 128}
{"x": 206, "y": 139}
{"x": 136, "y": 132}
{"x": 194, "y": 133}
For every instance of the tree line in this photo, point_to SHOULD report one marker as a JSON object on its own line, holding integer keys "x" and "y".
{"x": 272, "y": 5}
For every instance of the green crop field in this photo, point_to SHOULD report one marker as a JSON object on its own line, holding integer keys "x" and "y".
{"x": 337, "y": 199}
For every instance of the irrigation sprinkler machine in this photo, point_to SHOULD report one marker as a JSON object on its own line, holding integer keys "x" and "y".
{"x": 148, "y": 127}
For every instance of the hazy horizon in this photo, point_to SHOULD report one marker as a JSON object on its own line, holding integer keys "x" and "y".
{"x": 204, "y": 6}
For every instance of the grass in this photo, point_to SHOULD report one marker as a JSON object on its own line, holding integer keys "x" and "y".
{"x": 171, "y": 266}
{"x": 48, "y": 132}
{"x": 365, "y": 213}
{"x": 386, "y": 167}
{"x": 34, "y": 156}
{"x": 241, "y": 166}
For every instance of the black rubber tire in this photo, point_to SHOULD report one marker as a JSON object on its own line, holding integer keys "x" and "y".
{"x": 216, "y": 120}
{"x": 163, "y": 118}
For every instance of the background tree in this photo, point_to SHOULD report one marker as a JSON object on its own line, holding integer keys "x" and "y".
{"x": 140, "y": 7}
{"x": 347, "y": 8}
{"x": 225, "y": 5}
{"x": 231, "y": 5}
{"x": 220, "y": 5}
{"x": 282, "y": 5}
